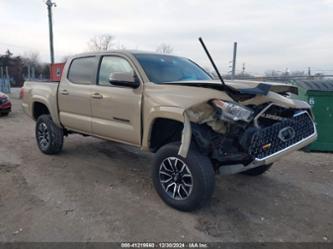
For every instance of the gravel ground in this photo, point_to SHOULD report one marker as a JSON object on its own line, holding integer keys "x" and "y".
{"x": 102, "y": 191}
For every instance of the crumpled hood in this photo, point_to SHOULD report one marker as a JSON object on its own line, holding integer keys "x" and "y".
{"x": 186, "y": 94}
{"x": 242, "y": 86}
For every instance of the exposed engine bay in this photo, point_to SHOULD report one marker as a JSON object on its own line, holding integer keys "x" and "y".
{"x": 231, "y": 133}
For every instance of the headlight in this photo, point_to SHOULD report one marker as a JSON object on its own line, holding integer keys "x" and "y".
{"x": 3, "y": 100}
{"x": 233, "y": 112}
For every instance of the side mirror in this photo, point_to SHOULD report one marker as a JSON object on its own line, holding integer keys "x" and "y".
{"x": 124, "y": 79}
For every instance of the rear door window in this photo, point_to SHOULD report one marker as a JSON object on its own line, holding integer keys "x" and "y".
{"x": 83, "y": 70}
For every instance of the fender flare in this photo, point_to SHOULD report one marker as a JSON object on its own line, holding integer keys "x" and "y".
{"x": 173, "y": 113}
{"x": 42, "y": 100}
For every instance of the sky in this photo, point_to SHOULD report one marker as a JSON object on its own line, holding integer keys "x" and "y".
{"x": 271, "y": 35}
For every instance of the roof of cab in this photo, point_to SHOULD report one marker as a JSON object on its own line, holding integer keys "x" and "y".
{"x": 122, "y": 51}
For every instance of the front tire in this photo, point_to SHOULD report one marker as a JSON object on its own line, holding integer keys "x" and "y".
{"x": 257, "y": 171}
{"x": 183, "y": 183}
{"x": 49, "y": 136}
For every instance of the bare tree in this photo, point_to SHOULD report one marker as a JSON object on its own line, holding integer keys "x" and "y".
{"x": 164, "y": 49}
{"x": 101, "y": 42}
{"x": 32, "y": 64}
{"x": 31, "y": 58}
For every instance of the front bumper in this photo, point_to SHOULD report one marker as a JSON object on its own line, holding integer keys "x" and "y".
{"x": 276, "y": 156}
{"x": 301, "y": 142}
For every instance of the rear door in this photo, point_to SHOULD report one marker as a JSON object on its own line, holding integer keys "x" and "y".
{"x": 116, "y": 110}
{"x": 74, "y": 94}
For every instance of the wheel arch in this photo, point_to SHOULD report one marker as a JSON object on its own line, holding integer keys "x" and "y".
{"x": 163, "y": 131}
{"x": 39, "y": 108}
{"x": 166, "y": 117}
{"x": 41, "y": 105}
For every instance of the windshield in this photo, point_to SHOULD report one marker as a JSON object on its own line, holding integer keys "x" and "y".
{"x": 167, "y": 68}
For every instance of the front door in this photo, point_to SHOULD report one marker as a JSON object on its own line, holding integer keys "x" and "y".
{"x": 116, "y": 111}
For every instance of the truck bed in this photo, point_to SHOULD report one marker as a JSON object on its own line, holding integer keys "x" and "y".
{"x": 43, "y": 92}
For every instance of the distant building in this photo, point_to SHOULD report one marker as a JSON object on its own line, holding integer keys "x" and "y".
{"x": 56, "y": 71}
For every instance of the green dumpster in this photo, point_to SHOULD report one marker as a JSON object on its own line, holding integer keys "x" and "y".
{"x": 319, "y": 94}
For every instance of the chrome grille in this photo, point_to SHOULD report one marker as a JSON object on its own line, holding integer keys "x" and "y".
{"x": 281, "y": 135}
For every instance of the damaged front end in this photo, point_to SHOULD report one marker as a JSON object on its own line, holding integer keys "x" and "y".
{"x": 237, "y": 138}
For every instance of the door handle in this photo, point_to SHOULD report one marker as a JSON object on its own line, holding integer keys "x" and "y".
{"x": 97, "y": 96}
{"x": 64, "y": 92}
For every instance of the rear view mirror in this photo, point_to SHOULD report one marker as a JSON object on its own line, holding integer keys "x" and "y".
{"x": 124, "y": 79}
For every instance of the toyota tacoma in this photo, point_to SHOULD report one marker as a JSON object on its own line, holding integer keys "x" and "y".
{"x": 168, "y": 105}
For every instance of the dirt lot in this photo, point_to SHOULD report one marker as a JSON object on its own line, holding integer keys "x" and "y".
{"x": 101, "y": 191}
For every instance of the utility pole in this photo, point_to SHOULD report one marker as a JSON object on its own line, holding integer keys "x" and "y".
{"x": 234, "y": 61}
{"x": 243, "y": 69}
{"x": 50, "y": 4}
{"x": 309, "y": 71}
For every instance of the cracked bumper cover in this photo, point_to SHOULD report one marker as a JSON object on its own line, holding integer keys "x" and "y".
{"x": 236, "y": 168}
{"x": 300, "y": 121}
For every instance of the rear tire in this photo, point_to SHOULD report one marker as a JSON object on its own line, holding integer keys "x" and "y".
{"x": 183, "y": 183}
{"x": 257, "y": 171}
{"x": 49, "y": 136}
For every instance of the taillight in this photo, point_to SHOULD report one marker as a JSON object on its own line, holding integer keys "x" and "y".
{"x": 21, "y": 92}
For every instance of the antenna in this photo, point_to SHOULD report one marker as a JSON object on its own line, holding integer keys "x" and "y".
{"x": 229, "y": 90}
{"x": 212, "y": 61}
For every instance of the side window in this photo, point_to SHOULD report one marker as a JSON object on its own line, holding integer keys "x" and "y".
{"x": 112, "y": 64}
{"x": 82, "y": 70}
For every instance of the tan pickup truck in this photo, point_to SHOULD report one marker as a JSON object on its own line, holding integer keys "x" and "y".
{"x": 170, "y": 106}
